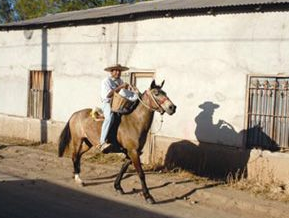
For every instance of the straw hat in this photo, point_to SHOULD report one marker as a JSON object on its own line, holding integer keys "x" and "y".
{"x": 116, "y": 67}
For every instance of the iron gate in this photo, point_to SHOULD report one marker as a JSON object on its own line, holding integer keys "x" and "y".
{"x": 268, "y": 108}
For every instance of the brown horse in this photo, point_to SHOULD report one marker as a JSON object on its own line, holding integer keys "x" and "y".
{"x": 82, "y": 132}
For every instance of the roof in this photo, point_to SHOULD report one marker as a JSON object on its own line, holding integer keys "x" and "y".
{"x": 145, "y": 9}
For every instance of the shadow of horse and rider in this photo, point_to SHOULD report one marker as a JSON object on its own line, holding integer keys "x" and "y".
{"x": 211, "y": 157}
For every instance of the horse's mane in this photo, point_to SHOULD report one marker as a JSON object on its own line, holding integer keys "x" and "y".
{"x": 136, "y": 103}
{"x": 133, "y": 106}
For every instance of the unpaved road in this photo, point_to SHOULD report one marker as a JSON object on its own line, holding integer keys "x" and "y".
{"x": 35, "y": 183}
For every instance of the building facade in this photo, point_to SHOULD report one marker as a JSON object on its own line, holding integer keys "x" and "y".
{"x": 226, "y": 68}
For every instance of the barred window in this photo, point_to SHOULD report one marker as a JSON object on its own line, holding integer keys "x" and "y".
{"x": 268, "y": 112}
{"x": 39, "y": 97}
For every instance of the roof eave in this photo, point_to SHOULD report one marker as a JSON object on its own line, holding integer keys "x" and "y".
{"x": 205, "y": 11}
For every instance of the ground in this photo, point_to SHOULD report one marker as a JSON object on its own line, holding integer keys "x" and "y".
{"x": 34, "y": 182}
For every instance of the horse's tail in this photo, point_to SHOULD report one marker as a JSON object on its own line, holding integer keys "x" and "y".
{"x": 64, "y": 140}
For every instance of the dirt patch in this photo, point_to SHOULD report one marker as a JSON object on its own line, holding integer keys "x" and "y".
{"x": 271, "y": 189}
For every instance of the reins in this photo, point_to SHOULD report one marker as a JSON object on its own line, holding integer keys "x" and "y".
{"x": 151, "y": 96}
{"x": 150, "y": 108}
{"x": 154, "y": 100}
{"x": 144, "y": 104}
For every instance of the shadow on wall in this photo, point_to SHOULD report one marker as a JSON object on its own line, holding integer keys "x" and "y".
{"x": 211, "y": 157}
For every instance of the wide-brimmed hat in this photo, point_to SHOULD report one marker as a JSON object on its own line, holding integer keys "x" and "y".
{"x": 116, "y": 67}
{"x": 208, "y": 105}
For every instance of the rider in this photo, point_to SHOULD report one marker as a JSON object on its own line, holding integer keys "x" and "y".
{"x": 112, "y": 83}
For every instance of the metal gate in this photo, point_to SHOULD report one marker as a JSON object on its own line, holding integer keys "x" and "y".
{"x": 268, "y": 108}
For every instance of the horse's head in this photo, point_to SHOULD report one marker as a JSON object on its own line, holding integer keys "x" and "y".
{"x": 159, "y": 101}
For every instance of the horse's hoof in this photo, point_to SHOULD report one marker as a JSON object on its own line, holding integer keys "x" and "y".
{"x": 119, "y": 191}
{"x": 80, "y": 183}
{"x": 150, "y": 200}
{"x": 78, "y": 180}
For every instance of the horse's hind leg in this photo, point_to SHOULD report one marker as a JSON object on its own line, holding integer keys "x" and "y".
{"x": 76, "y": 165}
{"x": 117, "y": 181}
{"x": 79, "y": 150}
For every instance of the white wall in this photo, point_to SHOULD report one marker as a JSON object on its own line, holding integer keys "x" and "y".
{"x": 203, "y": 58}
{"x": 207, "y": 58}
{"x": 17, "y": 56}
{"x": 79, "y": 55}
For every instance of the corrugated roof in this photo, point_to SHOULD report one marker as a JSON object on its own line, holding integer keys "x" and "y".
{"x": 98, "y": 15}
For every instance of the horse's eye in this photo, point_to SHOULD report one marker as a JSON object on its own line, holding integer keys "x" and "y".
{"x": 157, "y": 93}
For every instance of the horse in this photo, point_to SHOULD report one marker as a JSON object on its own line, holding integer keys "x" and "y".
{"x": 81, "y": 133}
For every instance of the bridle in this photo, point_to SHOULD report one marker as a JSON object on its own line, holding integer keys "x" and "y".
{"x": 152, "y": 101}
{"x": 150, "y": 107}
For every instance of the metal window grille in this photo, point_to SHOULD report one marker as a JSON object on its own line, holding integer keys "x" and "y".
{"x": 39, "y": 97}
{"x": 268, "y": 109}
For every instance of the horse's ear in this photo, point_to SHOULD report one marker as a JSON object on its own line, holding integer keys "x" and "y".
{"x": 153, "y": 84}
{"x": 163, "y": 82}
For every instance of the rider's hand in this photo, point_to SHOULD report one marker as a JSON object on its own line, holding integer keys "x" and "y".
{"x": 135, "y": 90}
{"x": 124, "y": 86}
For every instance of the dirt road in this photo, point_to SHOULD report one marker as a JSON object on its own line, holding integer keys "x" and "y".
{"x": 36, "y": 183}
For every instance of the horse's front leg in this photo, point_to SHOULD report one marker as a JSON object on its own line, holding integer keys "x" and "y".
{"x": 117, "y": 181}
{"x": 134, "y": 156}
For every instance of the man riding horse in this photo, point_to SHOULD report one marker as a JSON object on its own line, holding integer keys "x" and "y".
{"x": 111, "y": 84}
{"x": 82, "y": 132}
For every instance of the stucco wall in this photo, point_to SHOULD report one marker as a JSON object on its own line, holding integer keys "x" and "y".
{"x": 204, "y": 58}
{"x": 17, "y": 56}
{"x": 207, "y": 58}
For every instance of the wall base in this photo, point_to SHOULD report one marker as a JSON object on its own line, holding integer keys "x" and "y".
{"x": 204, "y": 159}
{"x": 219, "y": 161}
{"x": 30, "y": 129}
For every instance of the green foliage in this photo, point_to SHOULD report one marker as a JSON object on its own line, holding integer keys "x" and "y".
{"x": 28, "y": 9}
{"x": 6, "y": 11}
{"x": 109, "y": 2}
{"x": 73, "y": 5}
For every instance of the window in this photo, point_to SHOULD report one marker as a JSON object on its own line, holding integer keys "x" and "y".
{"x": 268, "y": 112}
{"x": 141, "y": 80}
{"x": 39, "y": 97}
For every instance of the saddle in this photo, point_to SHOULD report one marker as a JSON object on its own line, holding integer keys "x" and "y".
{"x": 97, "y": 114}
